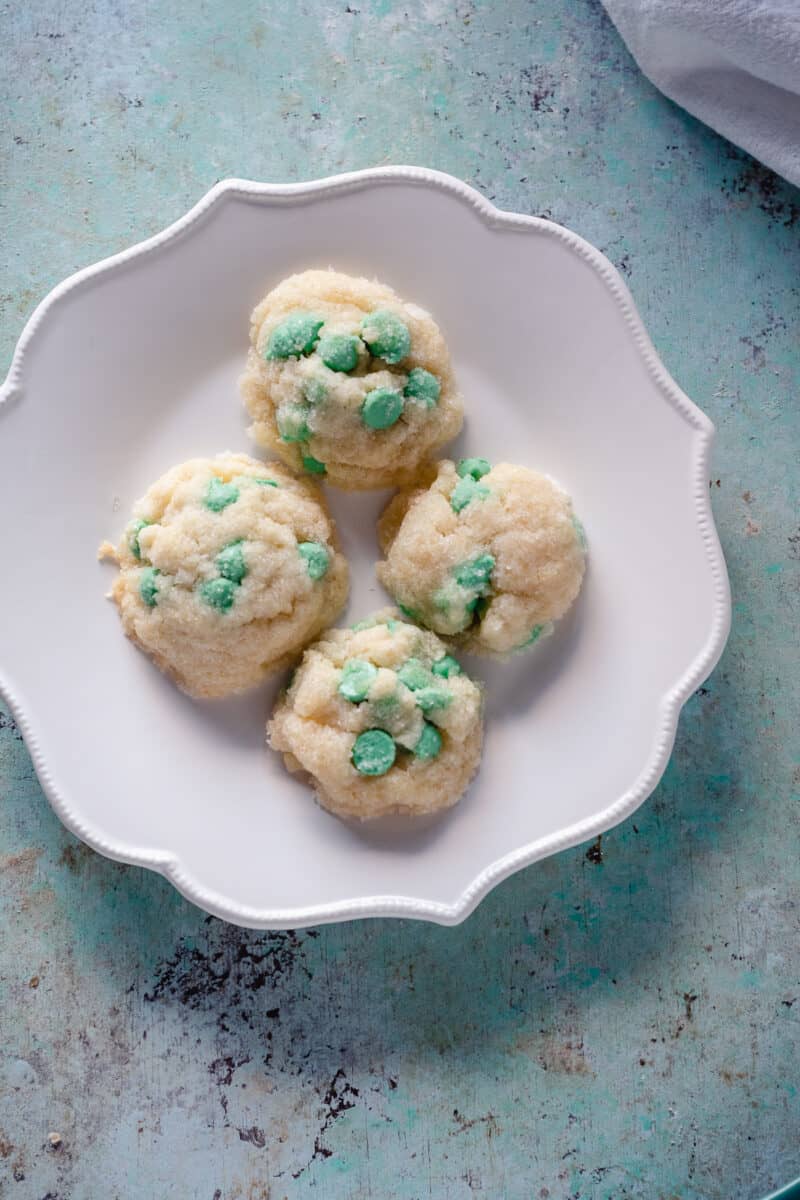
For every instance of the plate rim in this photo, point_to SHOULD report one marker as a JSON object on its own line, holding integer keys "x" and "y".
{"x": 168, "y": 863}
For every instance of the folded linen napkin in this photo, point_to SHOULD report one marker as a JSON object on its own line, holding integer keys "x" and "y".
{"x": 735, "y": 64}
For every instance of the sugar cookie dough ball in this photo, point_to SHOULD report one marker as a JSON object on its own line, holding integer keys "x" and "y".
{"x": 344, "y": 379}
{"x": 490, "y": 556}
{"x": 228, "y": 567}
{"x": 382, "y": 719}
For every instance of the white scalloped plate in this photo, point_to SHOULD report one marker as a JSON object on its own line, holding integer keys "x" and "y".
{"x": 132, "y": 364}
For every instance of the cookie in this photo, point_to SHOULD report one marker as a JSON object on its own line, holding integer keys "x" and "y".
{"x": 347, "y": 381}
{"x": 227, "y": 569}
{"x": 381, "y": 719}
{"x": 488, "y": 556}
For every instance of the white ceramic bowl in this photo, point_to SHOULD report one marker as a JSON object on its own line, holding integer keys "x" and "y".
{"x": 132, "y": 365}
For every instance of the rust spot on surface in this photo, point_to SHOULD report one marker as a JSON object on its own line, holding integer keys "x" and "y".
{"x": 595, "y": 852}
{"x": 74, "y": 856}
{"x": 464, "y": 1123}
{"x": 755, "y": 182}
{"x": 254, "y": 1136}
{"x": 730, "y": 1077}
{"x": 23, "y": 864}
{"x": 563, "y": 1058}
{"x": 8, "y": 722}
{"x": 235, "y": 961}
{"x": 339, "y": 1097}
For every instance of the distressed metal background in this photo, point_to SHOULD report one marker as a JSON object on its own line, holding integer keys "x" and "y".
{"x": 621, "y": 1021}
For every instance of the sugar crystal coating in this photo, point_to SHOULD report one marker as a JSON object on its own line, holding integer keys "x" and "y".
{"x": 231, "y": 562}
{"x": 339, "y": 351}
{"x": 422, "y": 385}
{"x": 374, "y": 752}
{"x": 295, "y": 336}
{"x": 219, "y": 593}
{"x": 357, "y": 678}
{"x": 219, "y": 495}
{"x": 430, "y": 742}
{"x": 316, "y": 557}
{"x": 386, "y": 335}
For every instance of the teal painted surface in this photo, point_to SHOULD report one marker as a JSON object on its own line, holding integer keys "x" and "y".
{"x": 617, "y": 1022}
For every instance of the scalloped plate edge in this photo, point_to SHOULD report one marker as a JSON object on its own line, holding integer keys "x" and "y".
{"x": 168, "y": 864}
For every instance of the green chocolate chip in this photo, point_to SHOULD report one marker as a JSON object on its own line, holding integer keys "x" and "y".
{"x": 295, "y": 336}
{"x": 266, "y": 483}
{"x": 435, "y": 696}
{"x": 374, "y": 752}
{"x": 467, "y": 489}
{"x": 219, "y": 593}
{"x": 357, "y": 678}
{"x": 148, "y": 588}
{"x": 292, "y": 423}
{"x": 219, "y": 495}
{"x": 230, "y": 562}
{"x": 414, "y": 674}
{"x": 538, "y": 631}
{"x": 392, "y": 626}
{"x": 339, "y": 351}
{"x": 580, "y": 532}
{"x": 366, "y": 623}
{"x": 476, "y": 575}
{"x": 314, "y": 391}
{"x": 422, "y": 385}
{"x": 386, "y": 335}
{"x": 447, "y": 666}
{"x": 430, "y": 742}
{"x": 134, "y": 529}
{"x": 313, "y": 465}
{"x": 451, "y": 601}
{"x": 381, "y": 408}
{"x": 411, "y": 613}
{"x": 474, "y": 467}
{"x": 316, "y": 557}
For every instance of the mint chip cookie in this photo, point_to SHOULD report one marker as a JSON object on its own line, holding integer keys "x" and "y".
{"x": 227, "y": 569}
{"x": 487, "y": 555}
{"x": 347, "y": 381}
{"x": 381, "y": 719}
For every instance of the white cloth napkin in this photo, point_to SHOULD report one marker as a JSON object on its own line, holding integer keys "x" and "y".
{"x": 735, "y": 64}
